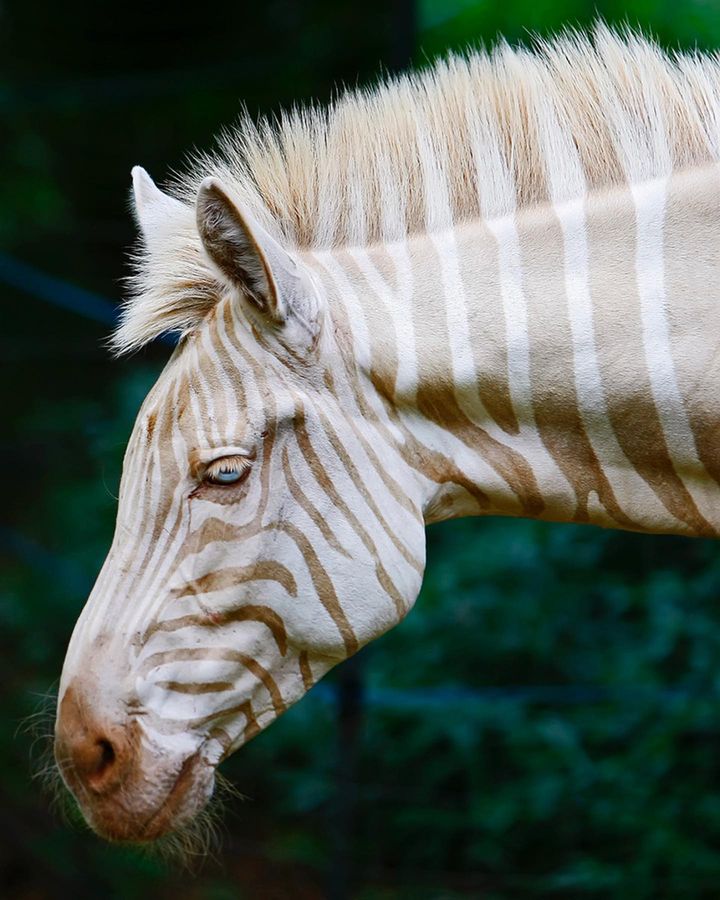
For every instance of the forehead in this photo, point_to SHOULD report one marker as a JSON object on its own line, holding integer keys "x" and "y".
{"x": 214, "y": 386}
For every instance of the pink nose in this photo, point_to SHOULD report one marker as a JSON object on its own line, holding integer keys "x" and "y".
{"x": 91, "y": 753}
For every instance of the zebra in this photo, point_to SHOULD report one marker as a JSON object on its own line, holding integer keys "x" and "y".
{"x": 489, "y": 288}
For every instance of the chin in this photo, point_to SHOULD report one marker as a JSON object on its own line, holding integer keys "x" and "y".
{"x": 132, "y": 818}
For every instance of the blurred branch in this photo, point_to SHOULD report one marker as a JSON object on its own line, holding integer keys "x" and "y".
{"x": 26, "y": 278}
{"x": 54, "y": 290}
{"x": 420, "y": 699}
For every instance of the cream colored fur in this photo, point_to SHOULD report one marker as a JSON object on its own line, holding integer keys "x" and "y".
{"x": 476, "y": 136}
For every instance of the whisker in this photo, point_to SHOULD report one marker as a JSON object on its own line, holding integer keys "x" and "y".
{"x": 191, "y": 845}
{"x": 39, "y": 725}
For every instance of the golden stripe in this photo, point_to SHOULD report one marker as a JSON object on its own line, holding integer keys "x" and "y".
{"x": 359, "y": 483}
{"x": 326, "y": 484}
{"x": 381, "y": 332}
{"x": 393, "y": 487}
{"x": 618, "y": 325}
{"x": 247, "y": 613}
{"x": 157, "y": 516}
{"x": 692, "y": 215}
{"x": 311, "y": 511}
{"x": 265, "y": 570}
{"x": 486, "y": 319}
{"x": 244, "y": 708}
{"x": 262, "y": 674}
{"x": 437, "y": 394}
{"x": 305, "y": 670}
{"x": 218, "y": 530}
{"x": 552, "y": 377}
{"x": 251, "y": 724}
{"x": 206, "y": 654}
{"x": 321, "y": 581}
{"x": 205, "y": 687}
{"x": 323, "y": 585}
{"x": 431, "y": 463}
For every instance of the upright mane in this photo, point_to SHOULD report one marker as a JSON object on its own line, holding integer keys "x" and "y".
{"x": 473, "y": 136}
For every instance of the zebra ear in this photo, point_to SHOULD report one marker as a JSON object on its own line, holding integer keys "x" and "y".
{"x": 154, "y": 210}
{"x": 249, "y": 258}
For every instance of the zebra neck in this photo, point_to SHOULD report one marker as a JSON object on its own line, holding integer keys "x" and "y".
{"x": 562, "y": 362}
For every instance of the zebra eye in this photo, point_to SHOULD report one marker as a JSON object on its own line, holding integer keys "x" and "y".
{"x": 228, "y": 470}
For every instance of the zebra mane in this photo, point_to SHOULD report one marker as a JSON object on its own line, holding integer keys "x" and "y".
{"x": 474, "y": 136}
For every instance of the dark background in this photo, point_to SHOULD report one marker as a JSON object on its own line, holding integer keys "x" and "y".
{"x": 546, "y": 723}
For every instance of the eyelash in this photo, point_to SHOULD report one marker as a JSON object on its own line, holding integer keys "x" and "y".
{"x": 233, "y": 467}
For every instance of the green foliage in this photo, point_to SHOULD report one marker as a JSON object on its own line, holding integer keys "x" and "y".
{"x": 452, "y": 24}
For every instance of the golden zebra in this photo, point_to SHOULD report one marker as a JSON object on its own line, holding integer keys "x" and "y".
{"x": 490, "y": 288}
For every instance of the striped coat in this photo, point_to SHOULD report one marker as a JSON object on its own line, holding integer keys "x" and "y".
{"x": 487, "y": 289}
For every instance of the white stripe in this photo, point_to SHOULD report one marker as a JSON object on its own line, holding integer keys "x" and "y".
{"x": 360, "y": 334}
{"x": 650, "y": 199}
{"x": 398, "y": 307}
{"x": 626, "y": 482}
{"x": 552, "y": 482}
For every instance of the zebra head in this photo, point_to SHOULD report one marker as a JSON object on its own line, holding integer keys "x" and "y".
{"x": 269, "y": 523}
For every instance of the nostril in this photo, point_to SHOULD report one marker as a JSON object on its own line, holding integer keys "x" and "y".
{"x": 91, "y": 753}
{"x": 106, "y": 756}
{"x": 95, "y": 761}
{"x": 99, "y": 764}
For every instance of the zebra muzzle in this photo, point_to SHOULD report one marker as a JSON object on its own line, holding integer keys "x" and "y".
{"x": 93, "y": 756}
{"x": 126, "y": 789}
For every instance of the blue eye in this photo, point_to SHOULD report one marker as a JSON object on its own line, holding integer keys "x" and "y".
{"x": 227, "y": 476}
{"x": 229, "y": 470}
